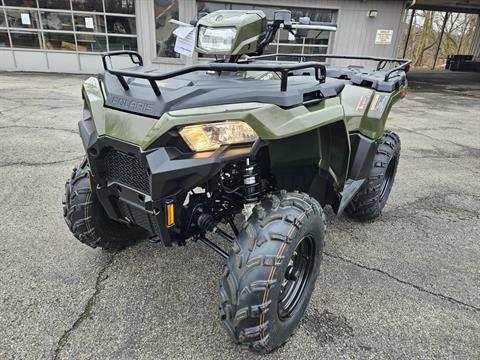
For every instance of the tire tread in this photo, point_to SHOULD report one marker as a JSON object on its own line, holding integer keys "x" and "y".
{"x": 237, "y": 309}
{"x": 366, "y": 204}
{"x": 86, "y": 219}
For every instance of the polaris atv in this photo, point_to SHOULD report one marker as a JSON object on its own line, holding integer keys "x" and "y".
{"x": 184, "y": 154}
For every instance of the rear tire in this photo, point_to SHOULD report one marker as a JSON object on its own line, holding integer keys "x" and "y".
{"x": 271, "y": 272}
{"x": 369, "y": 202}
{"x": 86, "y": 218}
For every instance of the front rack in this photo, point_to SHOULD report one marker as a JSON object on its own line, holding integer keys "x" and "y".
{"x": 283, "y": 69}
{"x": 382, "y": 61}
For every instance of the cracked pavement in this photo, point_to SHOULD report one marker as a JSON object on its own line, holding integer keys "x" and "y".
{"x": 404, "y": 286}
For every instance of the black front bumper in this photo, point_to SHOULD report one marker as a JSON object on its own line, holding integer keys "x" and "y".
{"x": 134, "y": 186}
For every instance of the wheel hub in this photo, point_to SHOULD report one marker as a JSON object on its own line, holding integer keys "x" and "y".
{"x": 296, "y": 277}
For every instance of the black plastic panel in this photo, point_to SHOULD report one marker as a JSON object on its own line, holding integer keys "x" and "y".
{"x": 361, "y": 158}
{"x": 197, "y": 90}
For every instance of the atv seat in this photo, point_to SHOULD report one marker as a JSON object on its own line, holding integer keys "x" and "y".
{"x": 374, "y": 79}
{"x": 330, "y": 88}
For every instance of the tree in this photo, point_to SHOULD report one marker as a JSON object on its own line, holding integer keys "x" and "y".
{"x": 426, "y": 31}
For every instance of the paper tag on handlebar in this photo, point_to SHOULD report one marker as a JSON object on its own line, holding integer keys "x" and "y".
{"x": 185, "y": 42}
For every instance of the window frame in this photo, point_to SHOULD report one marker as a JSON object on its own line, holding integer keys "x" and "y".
{"x": 182, "y": 14}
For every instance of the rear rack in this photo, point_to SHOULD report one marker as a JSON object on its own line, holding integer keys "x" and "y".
{"x": 382, "y": 61}
{"x": 283, "y": 69}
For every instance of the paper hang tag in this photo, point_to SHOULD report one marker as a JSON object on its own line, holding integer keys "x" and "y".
{"x": 25, "y": 19}
{"x": 89, "y": 23}
{"x": 185, "y": 42}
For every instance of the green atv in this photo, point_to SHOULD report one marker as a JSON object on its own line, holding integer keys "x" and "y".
{"x": 184, "y": 154}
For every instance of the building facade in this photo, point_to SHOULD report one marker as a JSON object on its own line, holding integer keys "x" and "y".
{"x": 69, "y": 35}
{"x": 475, "y": 45}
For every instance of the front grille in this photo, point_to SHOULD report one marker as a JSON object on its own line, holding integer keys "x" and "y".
{"x": 127, "y": 170}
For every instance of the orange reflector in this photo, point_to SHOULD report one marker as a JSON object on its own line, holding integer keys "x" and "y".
{"x": 403, "y": 93}
{"x": 170, "y": 214}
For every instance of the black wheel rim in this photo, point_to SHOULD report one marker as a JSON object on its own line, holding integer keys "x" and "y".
{"x": 296, "y": 277}
{"x": 387, "y": 180}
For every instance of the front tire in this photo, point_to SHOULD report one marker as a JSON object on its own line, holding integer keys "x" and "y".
{"x": 86, "y": 218}
{"x": 271, "y": 272}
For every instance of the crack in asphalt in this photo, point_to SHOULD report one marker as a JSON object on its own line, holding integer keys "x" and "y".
{"x": 25, "y": 163}
{"x": 18, "y": 96}
{"x": 469, "y": 149}
{"x": 87, "y": 310}
{"x": 9, "y": 109}
{"x": 462, "y": 166}
{"x": 442, "y": 154}
{"x": 437, "y": 204}
{"x": 38, "y": 107}
{"x": 38, "y": 127}
{"x": 404, "y": 282}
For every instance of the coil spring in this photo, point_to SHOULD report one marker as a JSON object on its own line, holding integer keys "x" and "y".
{"x": 250, "y": 180}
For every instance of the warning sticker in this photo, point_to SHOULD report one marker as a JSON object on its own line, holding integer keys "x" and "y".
{"x": 383, "y": 37}
{"x": 379, "y": 102}
{"x": 363, "y": 103}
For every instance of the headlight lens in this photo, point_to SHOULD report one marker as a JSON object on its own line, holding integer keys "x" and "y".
{"x": 204, "y": 137}
{"x": 216, "y": 39}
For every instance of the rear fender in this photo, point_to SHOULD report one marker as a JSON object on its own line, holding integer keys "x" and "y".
{"x": 367, "y": 110}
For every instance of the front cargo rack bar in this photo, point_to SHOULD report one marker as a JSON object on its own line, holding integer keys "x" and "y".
{"x": 382, "y": 61}
{"x": 283, "y": 69}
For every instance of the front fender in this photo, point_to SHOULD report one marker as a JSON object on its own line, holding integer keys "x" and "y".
{"x": 270, "y": 122}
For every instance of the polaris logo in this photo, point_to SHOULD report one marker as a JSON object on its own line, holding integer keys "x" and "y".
{"x": 131, "y": 105}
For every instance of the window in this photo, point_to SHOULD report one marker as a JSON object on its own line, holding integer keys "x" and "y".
{"x": 69, "y": 25}
{"x": 315, "y": 14}
{"x": 59, "y": 41}
{"x": 24, "y": 39}
{"x": 316, "y": 42}
{"x": 205, "y": 7}
{"x": 21, "y": 3}
{"x": 54, "y": 4}
{"x": 122, "y": 43}
{"x": 165, "y": 40}
{"x": 3, "y": 23}
{"x": 27, "y": 19}
{"x": 56, "y": 21}
{"x": 91, "y": 43}
{"x": 120, "y": 6}
{"x": 87, "y": 5}
{"x": 4, "y": 40}
{"x": 90, "y": 23}
{"x": 316, "y": 37}
{"x": 121, "y": 25}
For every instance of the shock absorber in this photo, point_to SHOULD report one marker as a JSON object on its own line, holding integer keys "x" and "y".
{"x": 251, "y": 182}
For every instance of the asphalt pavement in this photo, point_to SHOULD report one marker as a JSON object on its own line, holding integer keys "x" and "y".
{"x": 405, "y": 286}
